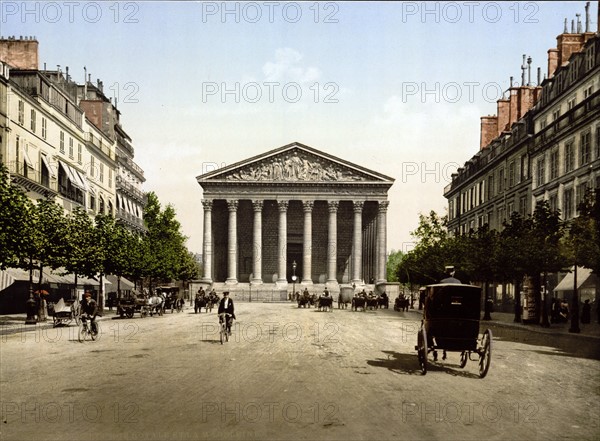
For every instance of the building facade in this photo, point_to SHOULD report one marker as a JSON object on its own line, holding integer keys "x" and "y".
{"x": 544, "y": 147}
{"x": 295, "y": 211}
{"x": 61, "y": 140}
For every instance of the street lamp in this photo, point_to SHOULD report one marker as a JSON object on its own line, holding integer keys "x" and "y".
{"x": 294, "y": 265}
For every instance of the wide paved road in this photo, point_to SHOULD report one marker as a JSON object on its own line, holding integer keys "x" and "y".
{"x": 290, "y": 373}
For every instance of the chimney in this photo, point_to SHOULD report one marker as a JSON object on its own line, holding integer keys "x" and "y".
{"x": 20, "y": 54}
{"x": 489, "y": 130}
{"x": 552, "y": 62}
{"x": 503, "y": 114}
{"x": 85, "y": 83}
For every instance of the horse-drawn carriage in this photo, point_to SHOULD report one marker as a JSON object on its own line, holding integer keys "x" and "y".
{"x": 204, "y": 300}
{"x": 325, "y": 303}
{"x": 305, "y": 299}
{"x": 401, "y": 303}
{"x": 63, "y": 312}
{"x": 171, "y": 297}
{"x": 451, "y": 324}
{"x": 130, "y": 303}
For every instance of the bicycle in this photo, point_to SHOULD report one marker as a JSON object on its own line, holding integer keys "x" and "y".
{"x": 85, "y": 330}
{"x": 224, "y": 320}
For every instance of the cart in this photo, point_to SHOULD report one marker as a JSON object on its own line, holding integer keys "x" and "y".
{"x": 65, "y": 312}
{"x": 451, "y": 324}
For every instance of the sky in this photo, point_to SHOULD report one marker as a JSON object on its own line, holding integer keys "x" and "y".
{"x": 396, "y": 87}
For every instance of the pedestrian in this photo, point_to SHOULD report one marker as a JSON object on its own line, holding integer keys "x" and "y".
{"x": 586, "y": 312}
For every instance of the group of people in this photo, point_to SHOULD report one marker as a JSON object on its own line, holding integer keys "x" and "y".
{"x": 560, "y": 312}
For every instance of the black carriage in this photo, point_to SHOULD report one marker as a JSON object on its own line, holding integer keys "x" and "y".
{"x": 451, "y": 324}
{"x": 172, "y": 298}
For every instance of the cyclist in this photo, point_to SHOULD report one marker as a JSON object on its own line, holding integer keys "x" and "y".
{"x": 226, "y": 306}
{"x": 89, "y": 310}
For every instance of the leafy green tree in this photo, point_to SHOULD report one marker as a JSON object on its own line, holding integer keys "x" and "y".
{"x": 79, "y": 258}
{"x": 394, "y": 260}
{"x": 15, "y": 212}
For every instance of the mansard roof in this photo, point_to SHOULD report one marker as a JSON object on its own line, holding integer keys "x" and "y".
{"x": 297, "y": 164}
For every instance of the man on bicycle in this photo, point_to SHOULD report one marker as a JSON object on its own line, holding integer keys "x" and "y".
{"x": 89, "y": 310}
{"x": 226, "y": 306}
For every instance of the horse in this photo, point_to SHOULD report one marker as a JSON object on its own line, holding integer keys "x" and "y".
{"x": 199, "y": 303}
{"x": 304, "y": 299}
{"x": 359, "y": 302}
{"x": 325, "y": 303}
{"x": 384, "y": 301}
{"x": 372, "y": 302}
{"x": 401, "y": 303}
{"x": 156, "y": 302}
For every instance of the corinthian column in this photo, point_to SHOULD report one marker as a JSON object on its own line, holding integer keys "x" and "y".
{"x": 282, "y": 276}
{"x": 207, "y": 242}
{"x": 357, "y": 244}
{"x": 307, "y": 243}
{"x": 382, "y": 241}
{"x": 257, "y": 248}
{"x": 232, "y": 251}
{"x": 332, "y": 243}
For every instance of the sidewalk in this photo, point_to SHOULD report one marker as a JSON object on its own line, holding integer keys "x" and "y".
{"x": 506, "y": 319}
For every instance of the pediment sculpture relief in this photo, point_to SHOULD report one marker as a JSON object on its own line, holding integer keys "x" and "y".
{"x": 294, "y": 168}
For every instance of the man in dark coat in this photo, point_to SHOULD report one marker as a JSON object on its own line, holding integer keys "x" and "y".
{"x": 89, "y": 310}
{"x": 226, "y": 306}
{"x": 450, "y": 276}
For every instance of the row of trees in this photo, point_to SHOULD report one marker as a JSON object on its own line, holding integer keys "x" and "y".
{"x": 34, "y": 235}
{"x": 531, "y": 246}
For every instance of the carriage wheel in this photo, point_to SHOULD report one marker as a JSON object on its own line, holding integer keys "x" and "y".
{"x": 422, "y": 349}
{"x": 129, "y": 314}
{"x": 94, "y": 335}
{"x": 464, "y": 356}
{"x": 81, "y": 335}
{"x": 485, "y": 353}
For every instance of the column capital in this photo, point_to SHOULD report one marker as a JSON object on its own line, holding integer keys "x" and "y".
{"x": 307, "y": 206}
{"x": 257, "y": 204}
{"x": 232, "y": 204}
{"x": 283, "y": 206}
{"x": 333, "y": 206}
{"x": 207, "y": 204}
{"x": 383, "y": 206}
{"x": 358, "y": 206}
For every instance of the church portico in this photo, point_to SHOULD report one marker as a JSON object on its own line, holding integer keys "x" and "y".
{"x": 292, "y": 205}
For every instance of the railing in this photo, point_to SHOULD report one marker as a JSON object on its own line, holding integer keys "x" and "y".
{"x": 96, "y": 141}
{"x": 122, "y": 214}
{"x": 26, "y": 173}
{"x": 122, "y": 184}
{"x": 132, "y": 165}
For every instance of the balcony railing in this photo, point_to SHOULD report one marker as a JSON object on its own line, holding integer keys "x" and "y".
{"x": 122, "y": 184}
{"x": 96, "y": 141}
{"x": 124, "y": 215}
{"x": 128, "y": 162}
{"x": 32, "y": 179}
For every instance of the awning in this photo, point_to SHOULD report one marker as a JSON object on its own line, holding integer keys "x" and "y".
{"x": 125, "y": 284}
{"x": 47, "y": 164}
{"x": 27, "y": 158}
{"x": 76, "y": 178}
{"x": 566, "y": 284}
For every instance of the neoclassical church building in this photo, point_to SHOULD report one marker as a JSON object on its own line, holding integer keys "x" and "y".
{"x": 294, "y": 211}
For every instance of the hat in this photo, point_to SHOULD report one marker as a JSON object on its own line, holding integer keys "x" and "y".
{"x": 226, "y": 293}
{"x": 88, "y": 294}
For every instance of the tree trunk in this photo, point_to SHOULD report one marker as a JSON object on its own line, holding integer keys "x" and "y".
{"x": 537, "y": 297}
{"x": 42, "y": 304}
{"x": 488, "y": 302}
{"x": 517, "y": 301}
{"x": 545, "y": 322}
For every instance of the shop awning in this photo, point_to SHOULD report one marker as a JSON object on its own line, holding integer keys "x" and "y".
{"x": 28, "y": 160}
{"x": 47, "y": 164}
{"x": 76, "y": 178}
{"x": 566, "y": 284}
{"x": 125, "y": 284}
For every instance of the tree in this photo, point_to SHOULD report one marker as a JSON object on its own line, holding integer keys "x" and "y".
{"x": 81, "y": 250}
{"x": 394, "y": 260}
{"x": 15, "y": 210}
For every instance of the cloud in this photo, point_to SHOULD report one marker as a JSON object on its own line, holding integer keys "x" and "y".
{"x": 287, "y": 67}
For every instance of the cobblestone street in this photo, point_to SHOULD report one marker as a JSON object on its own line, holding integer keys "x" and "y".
{"x": 290, "y": 373}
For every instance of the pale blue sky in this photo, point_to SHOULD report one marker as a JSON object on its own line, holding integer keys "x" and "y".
{"x": 164, "y": 58}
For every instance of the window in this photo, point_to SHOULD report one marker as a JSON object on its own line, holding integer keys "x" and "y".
{"x": 33, "y": 125}
{"x": 79, "y": 160}
{"x": 101, "y": 172}
{"x": 110, "y": 178}
{"x": 568, "y": 203}
{"x": 556, "y": 114}
{"x": 62, "y": 141}
{"x": 581, "y": 191}
{"x": 44, "y": 127}
{"x": 21, "y": 112}
{"x": 101, "y": 205}
{"x": 587, "y": 91}
{"x": 92, "y": 167}
{"x": 598, "y": 142}
{"x": 523, "y": 206}
{"x": 554, "y": 164}
{"x": 524, "y": 166}
{"x": 481, "y": 192}
{"x": 541, "y": 171}
{"x": 501, "y": 180}
{"x": 553, "y": 202}
{"x": 511, "y": 208}
{"x": 571, "y": 103}
{"x": 511, "y": 174}
{"x": 569, "y": 157}
{"x": 490, "y": 188}
{"x": 92, "y": 202}
{"x": 585, "y": 148}
{"x": 71, "y": 148}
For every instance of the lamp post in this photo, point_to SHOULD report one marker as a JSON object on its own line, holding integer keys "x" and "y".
{"x": 294, "y": 265}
